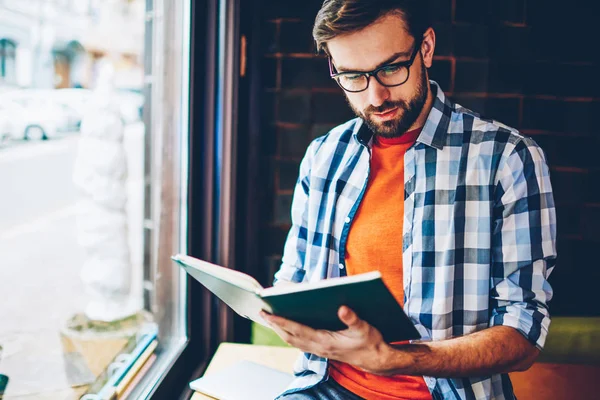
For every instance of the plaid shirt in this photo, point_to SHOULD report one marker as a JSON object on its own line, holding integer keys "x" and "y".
{"x": 479, "y": 232}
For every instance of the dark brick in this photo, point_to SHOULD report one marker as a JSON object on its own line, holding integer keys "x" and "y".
{"x": 471, "y": 76}
{"x": 268, "y": 139}
{"x": 580, "y": 49}
{"x": 547, "y": 41}
{"x": 506, "y": 77}
{"x": 318, "y": 130}
{"x": 568, "y": 187}
{"x": 306, "y": 9}
{"x": 576, "y": 81}
{"x": 288, "y": 174}
{"x": 471, "y": 41}
{"x": 548, "y": 144}
{"x": 501, "y": 77}
{"x": 269, "y": 39}
{"x": 575, "y": 280}
{"x": 591, "y": 224}
{"x": 274, "y": 240}
{"x": 565, "y": 45}
{"x": 548, "y": 78}
{"x": 545, "y": 78}
{"x": 269, "y": 188}
{"x": 476, "y": 104}
{"x": 443, "y": 39}
{"x": 441, "y": 72}
{"x": 440, "y": 10}
{"x": 272, "y": 265}
{"x": 293, "y": 141}
{"x": 268, "y": 72}
{"x": 505, "y": 110}
{"x": 472, "y": 11}
{"x": 568, "y": 219}
{"x": 306, "y": 73}
{"x": 542, "y": 13}
{"x": 330, "y": 108}
{"x": 591, "y": 151}
{"x": 571, "y": 152}
{"x": 283, "y": 204}
{"x": 293, "y": 107}
{"x": 267, "y": 107}
{"x": 296, "y": 37}
{"x": 543, "y": 114}
{"x": 508, "y": 11}
{"x": 593, "y": 187}
{"x": 510, "y": 43}
{"x": 576, "y": 20}
{"x": 582, "y": 116}
{"x": 587, "y": 256}
{"x": 560, "y": 279}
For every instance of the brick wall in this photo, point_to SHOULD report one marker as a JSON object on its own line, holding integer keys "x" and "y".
{"x": 532, "y": 64}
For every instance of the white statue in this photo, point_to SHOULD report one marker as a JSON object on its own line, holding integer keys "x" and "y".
{"x": 100, "y": 173}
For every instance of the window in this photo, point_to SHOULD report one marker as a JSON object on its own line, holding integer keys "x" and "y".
{"x": 114, "y": 163}
{"x": 8, "y": 56}
{"x": 95, "y": 208}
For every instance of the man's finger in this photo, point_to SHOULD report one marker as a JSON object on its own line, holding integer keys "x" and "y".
{"x": 302, "y": 343}
{"x": 286, "y": 336}
{"x": 292, "y": 327}
{"x": 349, "y": 317}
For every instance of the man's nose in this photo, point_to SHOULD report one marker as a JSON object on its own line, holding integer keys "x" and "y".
{"x": 377, "y": 93}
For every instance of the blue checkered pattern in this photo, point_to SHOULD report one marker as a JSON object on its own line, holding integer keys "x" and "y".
{"x": 478, "y": 238}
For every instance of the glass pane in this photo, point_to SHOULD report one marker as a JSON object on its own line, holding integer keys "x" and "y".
{"x": 76, "y": 180}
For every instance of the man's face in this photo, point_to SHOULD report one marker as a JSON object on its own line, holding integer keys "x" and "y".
{"x": 388, "y": 111}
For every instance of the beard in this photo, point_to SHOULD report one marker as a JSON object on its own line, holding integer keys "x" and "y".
{"x": 409, "y": 111}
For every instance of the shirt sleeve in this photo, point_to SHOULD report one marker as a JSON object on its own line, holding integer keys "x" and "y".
{"x": 294, "y": 251}
{"x": 523, "y": 243}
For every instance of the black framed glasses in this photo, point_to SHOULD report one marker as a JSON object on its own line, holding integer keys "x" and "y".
{"x": 388, "y": 75}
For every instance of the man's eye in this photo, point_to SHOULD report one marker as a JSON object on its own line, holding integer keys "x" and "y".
{"x": 352, "y": 77}
{"x": 389, "y": 70}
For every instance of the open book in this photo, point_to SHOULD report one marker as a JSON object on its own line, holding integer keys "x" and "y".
{"x": 313, "y": 304}
{"x": 251, "y": 381}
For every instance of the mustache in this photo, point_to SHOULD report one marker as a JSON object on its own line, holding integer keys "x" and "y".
{"x": 386, "y": 106}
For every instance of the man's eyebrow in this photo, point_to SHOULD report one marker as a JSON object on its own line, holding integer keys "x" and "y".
{"x": 388, "y": 60}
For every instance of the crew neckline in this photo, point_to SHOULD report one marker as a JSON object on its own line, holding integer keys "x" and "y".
{"x": 407, "y": 137}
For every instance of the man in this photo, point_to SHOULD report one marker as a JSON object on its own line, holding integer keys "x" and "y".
{"x": 455, "y": 211}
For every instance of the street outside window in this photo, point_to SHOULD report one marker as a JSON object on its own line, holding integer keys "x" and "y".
{"x": 73, "y": 274}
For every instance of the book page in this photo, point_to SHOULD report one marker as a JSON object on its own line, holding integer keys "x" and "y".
{"x": 239, "y": 291}
{"x": 236, "y": 277}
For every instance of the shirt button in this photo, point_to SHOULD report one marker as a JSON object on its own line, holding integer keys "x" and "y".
{"x": 341, "y": 266}
{"x": 347, "y": 220}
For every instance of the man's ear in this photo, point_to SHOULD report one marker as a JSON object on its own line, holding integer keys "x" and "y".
{"x": 428, "y": 47}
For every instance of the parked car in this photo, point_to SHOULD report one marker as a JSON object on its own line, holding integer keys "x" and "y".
{"x": 5, "y": 126}
{"x": 128, "y": 102}
{"x": 40, "y": 113}
{"x": 27, "y": 123}
{"x": 65, "y": 117}
{"x": 76, "y": 100}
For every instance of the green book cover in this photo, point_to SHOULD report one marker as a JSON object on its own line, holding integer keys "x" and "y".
{"x": 370, "y": 299}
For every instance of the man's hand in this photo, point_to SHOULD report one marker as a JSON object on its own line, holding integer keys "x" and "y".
{"x": 499, "y": 349}
{"x": 360, "y": 345}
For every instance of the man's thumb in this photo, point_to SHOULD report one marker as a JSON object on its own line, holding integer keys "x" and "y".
{"x": 349, "y": 317}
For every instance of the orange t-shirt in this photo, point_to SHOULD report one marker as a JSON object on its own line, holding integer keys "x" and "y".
{"x": 375, "y": 243}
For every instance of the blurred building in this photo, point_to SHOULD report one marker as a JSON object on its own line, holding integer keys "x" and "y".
{"x": 62, "y": 43}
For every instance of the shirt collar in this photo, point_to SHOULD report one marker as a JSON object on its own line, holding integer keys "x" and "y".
{"x": 435, "y": 129}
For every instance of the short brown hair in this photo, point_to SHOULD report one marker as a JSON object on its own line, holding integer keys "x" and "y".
{"x": 339, "y": 17}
